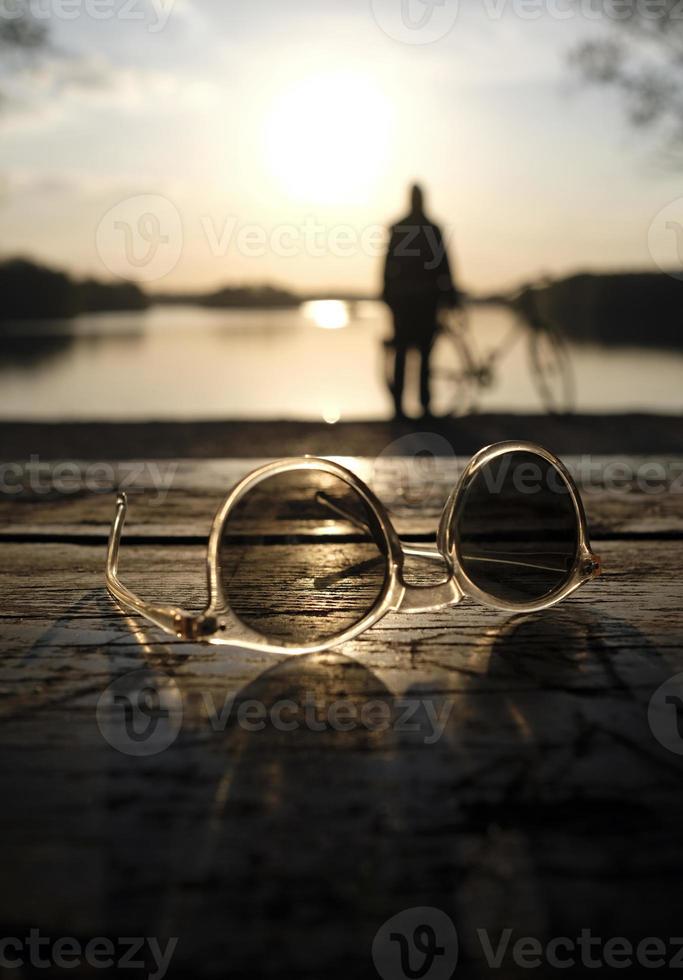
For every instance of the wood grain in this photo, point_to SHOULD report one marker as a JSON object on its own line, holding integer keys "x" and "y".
{"x": 500, "y": 768}
{"x": 624, "y": 495}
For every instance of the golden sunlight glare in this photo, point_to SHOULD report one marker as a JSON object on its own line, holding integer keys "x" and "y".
{"x": 326, "y": 137}
{"x": 329, "y": 314}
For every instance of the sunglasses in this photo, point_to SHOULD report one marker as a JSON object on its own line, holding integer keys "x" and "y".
{"x": 302, "y": 556}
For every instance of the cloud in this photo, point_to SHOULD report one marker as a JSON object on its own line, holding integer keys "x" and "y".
{"x": 64, "y": 87}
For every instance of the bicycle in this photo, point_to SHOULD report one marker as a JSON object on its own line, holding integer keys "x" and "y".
{"x": 464, "y": 375}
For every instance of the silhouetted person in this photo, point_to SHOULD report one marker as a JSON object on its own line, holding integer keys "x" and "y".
{"x": 417, "y": 283}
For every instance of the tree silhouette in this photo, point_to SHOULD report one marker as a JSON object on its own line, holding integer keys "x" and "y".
{"x": 642, "y": 58}
{"x": 22, "y": 32}
{"x": 22, "y": 37}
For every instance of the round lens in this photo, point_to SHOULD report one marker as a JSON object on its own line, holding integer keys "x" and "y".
{"x": 302, "y": 558}
{"x": 516, "y": 531}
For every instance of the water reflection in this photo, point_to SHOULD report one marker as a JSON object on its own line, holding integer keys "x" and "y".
{"x": 331, "y": 415}
{"x": 25, "y": 345}
{"x": 322, "y": 361}
{"x": 329, "y": 314}
{"x": 22, "y": 352}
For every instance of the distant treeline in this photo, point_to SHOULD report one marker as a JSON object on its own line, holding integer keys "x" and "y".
{"x": 641, "y": 309}
{"x": 262, "y": 297}
{"x": 29, "y": 291}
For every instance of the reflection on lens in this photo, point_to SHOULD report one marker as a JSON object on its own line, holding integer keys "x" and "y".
{"x": 302, "y": 558}
{"x": 516, "y": 530}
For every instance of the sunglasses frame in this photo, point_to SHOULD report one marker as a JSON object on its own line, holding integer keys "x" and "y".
{"x": 219, "y": 625}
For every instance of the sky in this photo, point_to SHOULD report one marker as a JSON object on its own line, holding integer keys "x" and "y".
{"x": 196, "y": 143}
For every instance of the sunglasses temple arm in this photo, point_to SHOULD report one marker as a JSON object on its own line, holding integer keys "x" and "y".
{"x": 327, "y": 501}
{"x": 176, "y": 621}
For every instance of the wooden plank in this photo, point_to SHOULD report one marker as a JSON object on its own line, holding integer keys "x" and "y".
{"x": 525, "y": 790}
{"x": 500, "y": 768}
{"x": 635, "y": 495}
{"x": 42, "y": 582}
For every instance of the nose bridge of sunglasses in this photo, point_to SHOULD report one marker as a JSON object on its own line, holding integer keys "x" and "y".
{"x": 428, "y": 597}
{"x": 413, "y": 597}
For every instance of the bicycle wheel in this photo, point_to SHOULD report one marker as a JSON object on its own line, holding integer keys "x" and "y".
{"x": 551, "y": 370}
{"x": 454, "y": 373}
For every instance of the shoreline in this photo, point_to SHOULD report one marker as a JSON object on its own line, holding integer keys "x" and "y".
{"x": 637, "y": 433}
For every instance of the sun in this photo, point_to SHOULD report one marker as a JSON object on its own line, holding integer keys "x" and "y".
{"x": 327, "y": 138}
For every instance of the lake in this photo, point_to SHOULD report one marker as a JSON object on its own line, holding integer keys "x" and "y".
{"x": 320, "y": 361}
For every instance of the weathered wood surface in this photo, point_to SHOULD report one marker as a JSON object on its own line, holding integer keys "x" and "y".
{"x": 178, "y": 498}
{"x": 517, "y": 784}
